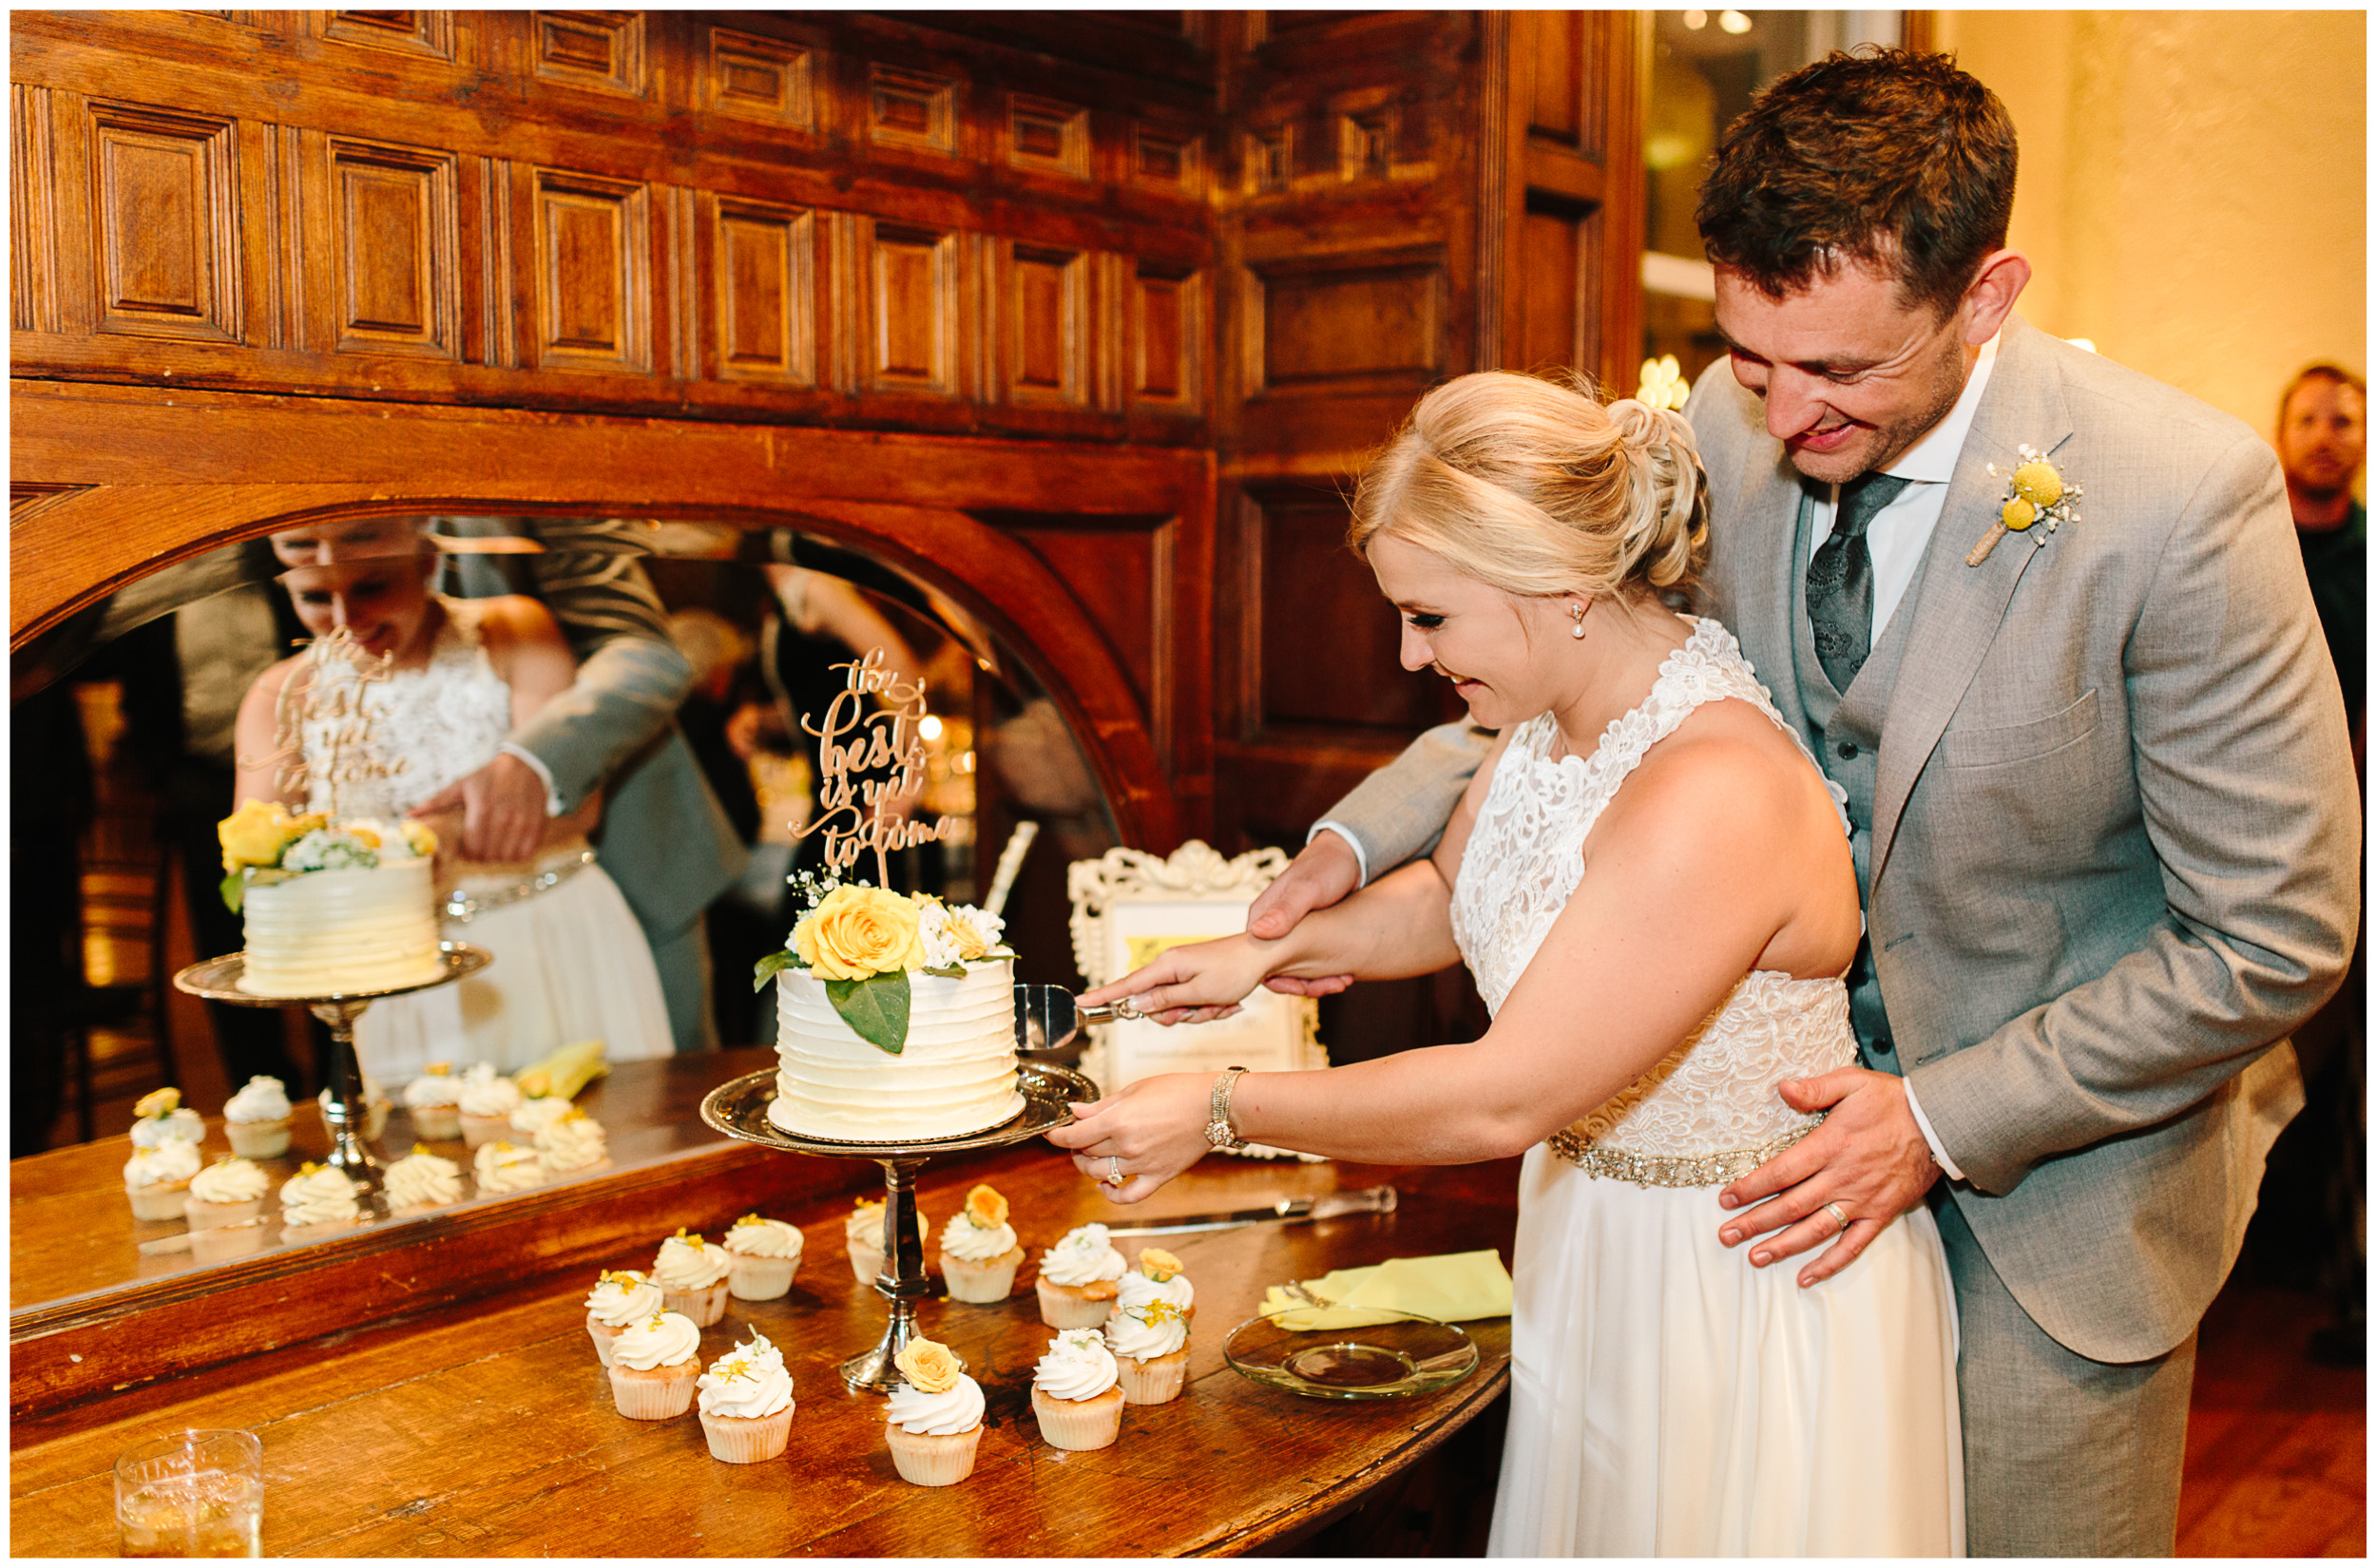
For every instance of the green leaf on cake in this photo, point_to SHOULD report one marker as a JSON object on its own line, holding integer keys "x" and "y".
{"x": 234, "y": 886}
{"x": 875, "y": 1009}
{"x": 773, "y": 965}
{"x": 955, "y": 971}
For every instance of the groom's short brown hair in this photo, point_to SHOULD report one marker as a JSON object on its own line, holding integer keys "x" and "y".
{"x": 1895, "y": 159}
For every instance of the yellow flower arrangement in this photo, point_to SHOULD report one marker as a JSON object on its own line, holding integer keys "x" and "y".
{"x": 260, "y": 831}
{"x": 857, "y": 933}
{"x": 930, "y": 1368}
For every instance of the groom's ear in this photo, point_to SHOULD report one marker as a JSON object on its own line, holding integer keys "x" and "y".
{"x": 1989, "y": 297}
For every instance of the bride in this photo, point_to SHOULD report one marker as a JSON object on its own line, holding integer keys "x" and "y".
{"x": 569, "y": 962}
{"x": 1653, "y": 888}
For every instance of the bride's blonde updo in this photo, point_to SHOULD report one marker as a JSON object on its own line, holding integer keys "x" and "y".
{"x": 1534, "y": 488}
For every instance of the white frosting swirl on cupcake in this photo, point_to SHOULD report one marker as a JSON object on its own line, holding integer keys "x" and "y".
{"x": 1146, "y": 1333}
{"x": 1083, "y": 1258}
{"x": 180, "y": 1126}
{"x": 1138, "y": 1290}
{"x": 746, "y": 1389}
{"x": 962, "y": 1238}
{"x": 1078, "y": 1365}
{"x": 623, "y": 1298}
{"x": 758, "y": 1348}
{"x": 571, "y": 1142}
{"x": 666, "y": 1338}
{"x": 501, "y": 1167}
{"x": 484, "y": 1093}
{"x": 689, "y": 1263}
{"x": 433, "y": 1091}
{"x": 424, "y": 1181}
{"x": 756, "y": 1238}
{"x": 263, "y": 1099}
{"x": 233, "y": 1180}
{"x": 322, "y": 1195}
{"x": 533, "y": 1115}
{"x": 937, "y": 1415}
{"x": 865, "y": 1226}
{"x": 164, "y": 1164}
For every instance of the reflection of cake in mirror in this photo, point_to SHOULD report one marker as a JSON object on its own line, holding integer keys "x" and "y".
{"x": 895, "y": 1020}
{"x": 331, "y": 907}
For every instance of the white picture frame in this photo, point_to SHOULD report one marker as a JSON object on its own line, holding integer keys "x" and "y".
{"x": 1127, "y": 907}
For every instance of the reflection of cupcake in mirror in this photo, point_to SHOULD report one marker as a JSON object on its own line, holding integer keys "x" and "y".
{"x": 746, "y": 1407}
{"x": 654, "y": 1366}
{"x": 318, "y": 1202}
{"x": 1150, "y": 1347}
{"x": 935, "y": 1423}
{"x": 620, "y": 1299}
{"x": 487, "y": 1100}
{"x": 504, "y": 1167}
{"x": 421, "y": 1181}
{"x": 375, "y": 1106}
{"x": 435, "y": 1100}
{"x": 572, "y": 1141}
{"x": 159, "y": 1118}
{"x": 1080, "y": 1277}
{"x": 1076, "y": 1391}
{"x": 157, "y": 1180}
{"x": 230, "y": 1189}
{"x": 534, "y": 1114}
{"x": 864, "y": 1232}
{"x": 257, "y": 1118}
{"x": 238, "y": 1239}
{"x": 979, "y": 1252}
{"x": 762, "y": 1256}
{"x": 1156, "y": 1276}
{"x": 691, "y": 1276}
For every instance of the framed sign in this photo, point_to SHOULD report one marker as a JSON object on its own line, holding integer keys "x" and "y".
{"x": 1127, "y": 908}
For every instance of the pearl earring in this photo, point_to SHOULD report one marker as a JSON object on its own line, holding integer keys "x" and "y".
{"x": 1576, "y": 612}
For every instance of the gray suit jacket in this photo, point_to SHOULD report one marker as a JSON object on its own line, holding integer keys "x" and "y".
{"x": 2115, "y": 839}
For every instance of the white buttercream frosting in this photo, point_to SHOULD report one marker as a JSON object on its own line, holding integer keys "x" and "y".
{"x": 1078, "y": 1365}
{"x": 322, "y": 1195}
{"x": 434, "y": 1089}
{"x": 485, "y": 1092}
{"x": 1134, "y": 1335}
{"x": 337, "y": 932}
{"x": 937, "y": 1415}
{"x": 182, "y": 1126}
{"x": 956, "y": 1074}
{"x": 689, "y": 1263}
{"x": 759, "y": 1349}
{"x": 1083, "y": 1258}
{"x": 962, "y": 1238}
{"x": 864, "y": 1228}
{"x": 667, "y": 1339}
{"x": 233, "y": 1180}
{"x": 757, "y": 1238}
{"x": 1138, "y": 1290}
{"x": 263, "y": 1099}
{"x": 623, "y": 1298}
{"x": 167, "y": 1162}
{"x": 744, "y": 1388}
{"x": 424, "y": 1181}
{"x": 533, "y": 1115}
{"x": 571, "y": 1142}
{"x": 501, "y": 1167}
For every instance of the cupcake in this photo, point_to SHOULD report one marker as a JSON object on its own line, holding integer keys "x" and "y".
{"x": 485, "y": 1102}
{"x": 1079, "y": 1278}
{"x": 571, "y": 1141}
{"x": 157, "y": 1180}
{"x": 622, "y": 1298}
{"x": 375, "y": 1110}
{"x": 979, "y": 1252}
{"x": 934, "y": 1424}
{"x": 502, "y": 1168}
{"x": 1157, "y": 1277}
{"x": 1075, "y": 1391}
{"x": 762, "y": 1257}
{"x": 257, "y": 1118}
{"x": 1150, "y": 1347}
{"x": 421, "y": 1181}
{"x": 746, "y": 1407}
{"x": 230, "y": 1189}
{"x": 160, "y": 1119}
{"x": 237, "y": 1239}
{"x": 317, "y": 1201}
{"x": 654, "y": 1367}
{"x": 865, "y": 1235}
{"x": 434, "y": 1099}
{"x": 692, "y": 1275}
{"x": 534, "y": 1114}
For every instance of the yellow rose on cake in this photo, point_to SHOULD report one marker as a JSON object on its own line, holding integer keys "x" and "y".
{"x": 855, "y": 933}
{"x": 259, "y": 831}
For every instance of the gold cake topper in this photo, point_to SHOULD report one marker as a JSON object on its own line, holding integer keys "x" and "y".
{"x": 313, "y": 696}
{"x": 855, "y": 814}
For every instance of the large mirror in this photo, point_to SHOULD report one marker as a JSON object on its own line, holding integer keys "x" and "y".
{"x": 129, "y": 748}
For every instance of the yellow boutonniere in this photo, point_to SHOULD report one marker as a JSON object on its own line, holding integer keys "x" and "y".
{"x": 2035, "y": 492}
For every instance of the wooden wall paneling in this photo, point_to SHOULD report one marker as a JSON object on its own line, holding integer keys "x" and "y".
{"x": 1044, "y": 136}
{"x": 912, "y": 109}
{"x": 1342, "y": 320}
{"x": 1044, "y": 303}
{"x": 592, "y": 265}
{"x": 33, "y": 217}
{"x": 422, "y": 33}
{"x": 908, "y": 301}
{"x": 1168, "y": 336}
{"x": 165, "y": 200}
{"x": 498, "y": 316}
{"x": 396, "y": 249}
{"x": 1168, "y": 159}
{"x": 763, "y": 284}
{"x": 755, "y": 77}
{"x": 599, "y": 51}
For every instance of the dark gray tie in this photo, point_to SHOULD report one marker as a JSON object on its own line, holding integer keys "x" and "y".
{"x": 1839, "y": 578}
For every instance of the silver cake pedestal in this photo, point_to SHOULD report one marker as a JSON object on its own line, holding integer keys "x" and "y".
{"x": 739, "y": 1109}
{"x": 218, "y": 979}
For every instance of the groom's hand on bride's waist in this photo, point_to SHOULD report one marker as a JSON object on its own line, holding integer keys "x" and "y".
{"x": 1867, "y": 1163}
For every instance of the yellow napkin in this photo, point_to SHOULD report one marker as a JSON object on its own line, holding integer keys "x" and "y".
{"x": 1453, "y": 1288}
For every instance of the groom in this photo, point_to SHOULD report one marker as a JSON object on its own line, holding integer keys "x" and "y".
{"x": 2104, "y": 818}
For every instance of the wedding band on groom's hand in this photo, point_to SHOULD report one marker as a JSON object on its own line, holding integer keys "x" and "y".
{"x": 1837, "y": 1212}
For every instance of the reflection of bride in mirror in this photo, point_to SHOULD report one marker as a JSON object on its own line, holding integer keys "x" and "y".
{"x": 569, "y": 962}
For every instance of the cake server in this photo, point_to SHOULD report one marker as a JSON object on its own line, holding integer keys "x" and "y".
{"x": 1289, "y": 1210}
{"x": 1048, "y": 1018}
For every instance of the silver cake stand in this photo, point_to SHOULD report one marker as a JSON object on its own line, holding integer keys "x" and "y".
{"x": 739, "y": 1109}
{"x": 218, "y": 979}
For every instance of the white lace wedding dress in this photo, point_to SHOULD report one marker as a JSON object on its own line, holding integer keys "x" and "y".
{"x": 1666, "y": 1398}
{"x": 569, "y": 962}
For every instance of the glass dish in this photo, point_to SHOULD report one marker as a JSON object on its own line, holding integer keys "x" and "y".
{"x": 1364, "y": 1353}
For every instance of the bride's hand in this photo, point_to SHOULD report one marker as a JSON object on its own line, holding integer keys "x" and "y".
{"x": 1148, "y": 1134}
{"x": 1190, "y": 985}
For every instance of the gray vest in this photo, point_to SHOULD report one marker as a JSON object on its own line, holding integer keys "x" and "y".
{"x": 1846, "y": 734}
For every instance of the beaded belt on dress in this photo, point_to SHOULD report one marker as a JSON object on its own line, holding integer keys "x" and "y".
{"x": 1669, "y": 1170}
{"x": 549, "y": 872}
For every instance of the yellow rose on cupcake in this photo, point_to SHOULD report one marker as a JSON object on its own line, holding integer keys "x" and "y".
{"x": 930, "y": 1366}
{"x": 855, "y": 933}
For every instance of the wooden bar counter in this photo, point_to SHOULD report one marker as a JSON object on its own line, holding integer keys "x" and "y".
{"x": 430, "y": 1390}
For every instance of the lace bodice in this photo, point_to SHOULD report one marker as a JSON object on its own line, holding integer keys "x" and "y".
{"x": 433, "y": 725}
{"x": 1714, "y": 1093}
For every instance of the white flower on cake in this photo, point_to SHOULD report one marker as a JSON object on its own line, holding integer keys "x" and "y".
{"x": 955, "y": 934}
{"x": 350, "y": 847}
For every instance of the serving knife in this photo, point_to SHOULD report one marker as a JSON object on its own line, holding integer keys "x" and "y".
{"x": 1049, "y": 1018}
{"x": 1287, "y": 1211}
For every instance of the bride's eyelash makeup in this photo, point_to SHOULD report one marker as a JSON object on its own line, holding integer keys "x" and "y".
{"x": 1426, "y": 622}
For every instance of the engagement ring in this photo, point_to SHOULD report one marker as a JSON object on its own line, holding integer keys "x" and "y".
{"x": 1113, "y": 1176}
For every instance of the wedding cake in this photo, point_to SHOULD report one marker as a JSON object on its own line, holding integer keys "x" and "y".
{"x": 895, "y": 1020}
{"x": 331, "y": 908}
